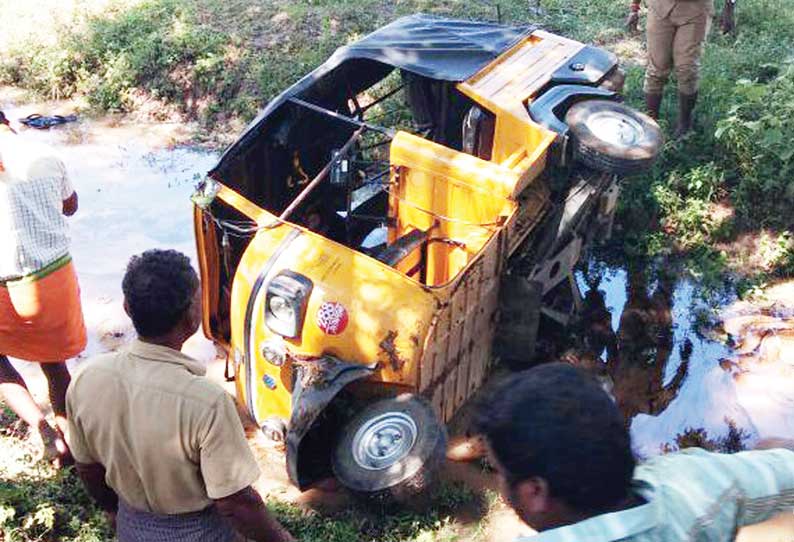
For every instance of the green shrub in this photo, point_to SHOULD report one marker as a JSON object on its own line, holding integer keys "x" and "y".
{"x": 757, "y": 136}
{"x": 46, "y": 506}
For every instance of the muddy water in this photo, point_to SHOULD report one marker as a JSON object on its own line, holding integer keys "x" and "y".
{"x": 675, "y": 363}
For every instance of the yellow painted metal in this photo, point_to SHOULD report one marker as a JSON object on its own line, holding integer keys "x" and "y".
{"x": 388, "y": 313}
{"x": 429, "y": 333}
{"x": 459, "y": 199}
{"x": 505, "y": 87}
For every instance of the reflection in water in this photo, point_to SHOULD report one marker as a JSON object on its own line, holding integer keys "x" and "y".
{"x": 637, "y": 353}
{"x": 638, "y": 335}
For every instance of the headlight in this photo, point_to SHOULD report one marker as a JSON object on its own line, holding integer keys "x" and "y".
{"x": 281, "y": 308}
{"x": 285, "y": 303}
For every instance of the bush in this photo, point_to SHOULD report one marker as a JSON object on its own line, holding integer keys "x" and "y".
{"x": 46, "y": 506}
{"x": 757, "y": 136}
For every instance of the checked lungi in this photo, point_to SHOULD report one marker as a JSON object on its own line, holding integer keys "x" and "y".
{"x": 204, "y": 526}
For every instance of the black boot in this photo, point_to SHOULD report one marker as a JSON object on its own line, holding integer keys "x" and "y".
{"x": 653, "y": 102}
{"x": 686, "y": 107}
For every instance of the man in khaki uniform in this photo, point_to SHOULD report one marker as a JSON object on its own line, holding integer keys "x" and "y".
{"x": 676, "y": 32}
{"x": 158, "y": 446}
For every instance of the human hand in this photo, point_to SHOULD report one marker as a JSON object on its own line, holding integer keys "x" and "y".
{"x": 728, "y": 18}
{"x": 633, "y": 20}
{"x": 111, "y": 517}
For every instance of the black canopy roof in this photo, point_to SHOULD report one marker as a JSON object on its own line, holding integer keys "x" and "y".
{"x": 429, "y": 46}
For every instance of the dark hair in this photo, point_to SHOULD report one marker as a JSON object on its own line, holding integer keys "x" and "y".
{"x": 556, "y": 422}
{"x": 158, "y": 287}
{"x": 3, "y": 119}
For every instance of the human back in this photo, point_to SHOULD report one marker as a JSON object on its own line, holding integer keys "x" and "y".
{"x": 33, "y": 187}
{"x": 160, "y": 449}
{"x": 148, "y": 421}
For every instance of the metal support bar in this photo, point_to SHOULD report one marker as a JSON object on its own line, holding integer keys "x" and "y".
{"x": 333, "y": 114}
{"x": 382, "y": 98}
{"x": 320, "y": 176}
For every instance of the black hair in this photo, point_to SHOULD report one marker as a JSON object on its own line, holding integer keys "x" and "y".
{"x": 158, "y": 287}
{"x": 556, "y": 422}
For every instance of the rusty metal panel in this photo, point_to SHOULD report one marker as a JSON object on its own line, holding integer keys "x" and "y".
{"x": 532, "y": 206}
{"x": 462, "y": 384}
{"x": 442, "y": 341}
{"x": 458, "y": 318}
{"x": 470, "y": 337}
{"x": 437, "y": 402}
{"x": 449, "y": 394}
{"x": 485, "y": 330}
{"x": 432, "y": 345}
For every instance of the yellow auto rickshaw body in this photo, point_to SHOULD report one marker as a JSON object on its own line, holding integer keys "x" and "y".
{"x": 430, "y": 334}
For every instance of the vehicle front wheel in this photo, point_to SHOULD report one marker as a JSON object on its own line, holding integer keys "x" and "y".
{"x": 391, "y": 450}
{"x": 612, "y": 137}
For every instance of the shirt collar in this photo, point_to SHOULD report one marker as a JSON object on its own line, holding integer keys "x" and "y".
{"x": 607, "y": 527}
{"x": 155, "y": 352}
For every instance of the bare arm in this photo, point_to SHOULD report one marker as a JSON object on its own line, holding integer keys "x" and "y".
{"x": 93, "y": 477}
{"x": 70, "y": 205}
{"x": 775, "y": 442}
{"x": 633, "y": 19}
{"x": 247, "y": 513}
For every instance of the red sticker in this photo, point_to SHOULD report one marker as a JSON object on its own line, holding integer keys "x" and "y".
{"x": 332, "y": 318}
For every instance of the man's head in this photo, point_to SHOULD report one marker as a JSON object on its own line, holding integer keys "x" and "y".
{"x": 161, "y": 295}
{"x": 559, "y": 443}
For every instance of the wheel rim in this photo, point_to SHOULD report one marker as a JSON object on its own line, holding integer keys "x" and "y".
{"x": 615, "y": 128}
{"x": 384, "y": 440}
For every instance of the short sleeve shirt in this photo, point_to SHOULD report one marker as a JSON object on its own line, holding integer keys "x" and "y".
{"x": 693, "y": 496}
{"x": 169, "y": 439}
{"x": 33, "y": 186}
{"x": 684, "y": 8}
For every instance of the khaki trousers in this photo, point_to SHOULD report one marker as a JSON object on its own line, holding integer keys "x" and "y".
{"x": 676, "y": 33}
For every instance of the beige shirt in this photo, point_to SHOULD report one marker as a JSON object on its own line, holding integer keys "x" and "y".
{"x": 685, "y": 8}
{"x": 170, "y": 440}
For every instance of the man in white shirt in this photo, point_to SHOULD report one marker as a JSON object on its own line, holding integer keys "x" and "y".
{"x": 41, "y": 319}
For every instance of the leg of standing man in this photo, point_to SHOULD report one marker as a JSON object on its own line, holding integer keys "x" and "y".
{"x": 687, "y": 49}
{"x": 58, "y": 379}
{"x": 660, "y": 35}
{"x": 15, "y": 393}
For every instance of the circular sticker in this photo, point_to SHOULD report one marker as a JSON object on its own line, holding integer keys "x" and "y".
{"x": 332, "y": 318}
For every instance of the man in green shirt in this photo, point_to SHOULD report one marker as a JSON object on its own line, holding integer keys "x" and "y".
{"x": 565, "y": 459}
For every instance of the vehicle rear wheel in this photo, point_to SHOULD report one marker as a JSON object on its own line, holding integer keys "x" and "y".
{"x": 392, "y": 450}
{"x": 612, "y": 137}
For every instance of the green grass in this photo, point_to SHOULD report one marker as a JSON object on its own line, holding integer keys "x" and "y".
{"x": 745, "y": 99}
{"x": 219, "y": 61}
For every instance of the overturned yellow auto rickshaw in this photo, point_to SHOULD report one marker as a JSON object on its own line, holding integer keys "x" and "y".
{"x": 426, "y": 190}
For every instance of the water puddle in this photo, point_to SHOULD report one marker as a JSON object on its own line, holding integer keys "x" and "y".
{"x": 682, "y": 372}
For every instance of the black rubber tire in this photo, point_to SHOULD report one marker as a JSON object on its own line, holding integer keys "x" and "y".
{"x": 413, "y": 475}
{"x": 602, "y": 155}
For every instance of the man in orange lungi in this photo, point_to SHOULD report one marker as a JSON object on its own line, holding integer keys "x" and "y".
{"x": 41, "y": 319}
